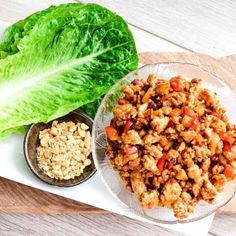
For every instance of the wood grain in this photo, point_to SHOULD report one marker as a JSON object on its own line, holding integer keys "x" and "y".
{"x": 81, "y": 225}
{"x": 27, "y": 7}
{"x": 224, "y": 67}
{"x": 19, "y": 198}
{"x": 200, "y": 26}
{"x": 14, "y": 10}
{"x": 12, "y": 224}
{"x": 224, "y": 224}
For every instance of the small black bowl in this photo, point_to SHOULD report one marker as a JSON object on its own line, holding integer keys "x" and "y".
{"x": 32, "y": 141}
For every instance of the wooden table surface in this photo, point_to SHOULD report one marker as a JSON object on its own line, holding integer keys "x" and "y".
{"x": 186, "y": 25}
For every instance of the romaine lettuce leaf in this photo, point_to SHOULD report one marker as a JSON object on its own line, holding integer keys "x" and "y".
{"x": 92, "y": 107}
{"x": 70, "y": 57}
{"x": 17, "y": 31}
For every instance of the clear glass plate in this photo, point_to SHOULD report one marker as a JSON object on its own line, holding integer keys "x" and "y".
{"x": 104, "y": 115}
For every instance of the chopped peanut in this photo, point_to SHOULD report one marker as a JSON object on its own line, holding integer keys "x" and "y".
{"x": 64, "y": 150}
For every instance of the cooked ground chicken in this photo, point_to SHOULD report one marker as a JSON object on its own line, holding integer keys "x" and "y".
{"x": 171, "y": 143}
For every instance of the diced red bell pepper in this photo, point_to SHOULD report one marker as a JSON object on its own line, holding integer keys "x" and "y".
{"x": 171, "y": 163}
{"x": 189, "y": 112}
{"x": 195, "y": 123}
{"x": 227, "y": 146}
{"x": 176, "y": 112}
{"x": 131, "y": 150}
{"x": 171, "y": 121}
{"x": 226, "y": 137}
{"x": 176, "y": 84}
{"x": 122, "y": 101}
{"x": 112, "y": 133}
{"x": 128, "y": 124}
{"x": 228, "y": 172}
{"x": 214, "y": 113}
{"x": 161, "y": 163}
{"x": 223, "y": 136}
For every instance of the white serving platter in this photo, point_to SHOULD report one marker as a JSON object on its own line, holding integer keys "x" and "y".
{"x": 93, "y": 191}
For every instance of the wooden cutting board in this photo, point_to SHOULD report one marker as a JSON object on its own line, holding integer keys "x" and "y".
{"x": 18, "y": 198}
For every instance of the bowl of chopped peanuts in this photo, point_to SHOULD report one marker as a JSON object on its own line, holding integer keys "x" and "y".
{"x": 164, "y": 144}
{"x": 59, "y": 152}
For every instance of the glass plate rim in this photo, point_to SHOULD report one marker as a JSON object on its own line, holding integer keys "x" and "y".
{"x": 146, "y": 217}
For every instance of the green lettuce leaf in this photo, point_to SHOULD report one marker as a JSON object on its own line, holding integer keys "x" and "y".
{"x": 92, "y": 107}
{"x": 17, "y": 31}
{"x": 70, "y": 57}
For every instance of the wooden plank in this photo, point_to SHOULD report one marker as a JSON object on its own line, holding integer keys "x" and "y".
{"x": 201, "y": 26}
{"x": 224, "y": 224}
{"x": 224, "y": 67}
{"x": 18, "y": 198}
{"x": 16, "y": 9}
{"x": 21, "y": 224}
{"x": 83, "y": 225}
{"x": 152, "y": 43}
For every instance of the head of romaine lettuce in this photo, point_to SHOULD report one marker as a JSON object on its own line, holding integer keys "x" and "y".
{"x": 62, "y": 59}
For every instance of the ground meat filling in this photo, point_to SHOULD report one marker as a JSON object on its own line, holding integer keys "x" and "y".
{"x": 171, "y": 143}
